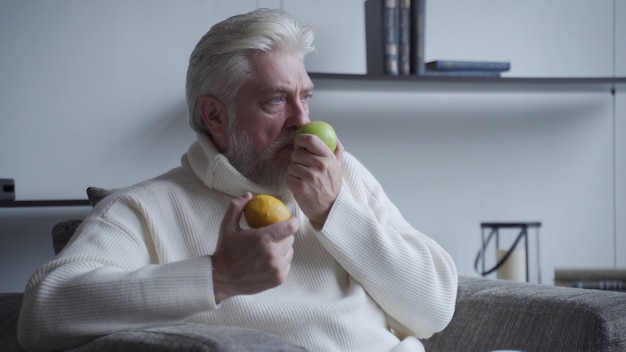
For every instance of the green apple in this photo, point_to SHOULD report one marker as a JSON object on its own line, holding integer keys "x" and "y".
{"x": 323, "y": 130}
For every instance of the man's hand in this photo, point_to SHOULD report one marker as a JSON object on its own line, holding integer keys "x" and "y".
{"x": 250, "y": 261}
{"x": 314, "y": 177}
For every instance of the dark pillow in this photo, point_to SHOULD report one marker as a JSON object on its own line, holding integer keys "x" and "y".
{"x": 62, "y": 232}
{"x": 189, "y": 337}
{"x": 96, "y": 194}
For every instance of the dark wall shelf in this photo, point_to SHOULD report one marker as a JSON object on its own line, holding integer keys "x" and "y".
{"x": 44, "y": 203}
{"x": 467, "y": 84}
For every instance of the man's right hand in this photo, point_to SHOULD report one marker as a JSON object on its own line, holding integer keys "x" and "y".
{"x": 249, "y": 261}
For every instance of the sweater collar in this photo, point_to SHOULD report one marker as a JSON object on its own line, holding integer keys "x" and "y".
{"x": 215, "y": 171}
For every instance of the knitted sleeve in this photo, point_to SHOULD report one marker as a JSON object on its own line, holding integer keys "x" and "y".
{"x": 408, "y": 274}
{"x": 110, "y": 270}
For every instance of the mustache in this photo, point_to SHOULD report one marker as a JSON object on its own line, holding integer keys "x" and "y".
{"x": 283, "y": 141}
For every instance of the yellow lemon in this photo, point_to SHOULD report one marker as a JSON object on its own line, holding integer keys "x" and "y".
{"x": 323, "y": 130}
{"x": 263, "y": 210}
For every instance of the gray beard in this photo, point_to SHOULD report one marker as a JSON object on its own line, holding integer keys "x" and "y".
{"x": 261, "y": 168}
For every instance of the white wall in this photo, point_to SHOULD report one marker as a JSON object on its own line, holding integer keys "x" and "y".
{"x": 92, "y": 93}
{"x": 540, "y": 38}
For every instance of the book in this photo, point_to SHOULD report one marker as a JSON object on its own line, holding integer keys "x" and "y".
{"x": 582, "y": 274}
{"x": 418, "y": 26}
{"x": 468, "y": 73}
{"x": 404, "y": 39}
{"x": 458, "y": 65}
{"x": 391, "y": 33}
{"x": 610, "y": 279}
{"x": 607, "y": 285}
{"x": 374, "y": 49}
{"x": 382, "y": 36}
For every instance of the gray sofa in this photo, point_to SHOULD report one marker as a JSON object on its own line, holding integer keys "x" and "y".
{"x": 490, "y": 315}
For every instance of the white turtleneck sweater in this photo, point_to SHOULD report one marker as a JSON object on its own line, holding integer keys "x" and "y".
{"x": 142, "y": 257}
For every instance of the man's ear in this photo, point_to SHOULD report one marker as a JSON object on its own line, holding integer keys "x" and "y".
{"x": 214, "y": 115}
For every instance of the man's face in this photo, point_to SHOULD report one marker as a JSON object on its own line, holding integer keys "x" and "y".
{"x": 268, "y": 109}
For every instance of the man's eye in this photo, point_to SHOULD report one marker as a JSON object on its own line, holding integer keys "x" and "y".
{"x": 276, "y": 100}
{"x": 306, "y": 97}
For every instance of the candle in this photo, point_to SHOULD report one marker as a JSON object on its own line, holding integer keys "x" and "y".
{"x": 514, "y": 268}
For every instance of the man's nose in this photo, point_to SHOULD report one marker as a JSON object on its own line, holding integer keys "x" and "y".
{"x": 298, "y": 114}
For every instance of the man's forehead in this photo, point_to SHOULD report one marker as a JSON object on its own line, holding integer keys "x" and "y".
{"x": 279, "y": 71}
{"x": 284, "y": 84}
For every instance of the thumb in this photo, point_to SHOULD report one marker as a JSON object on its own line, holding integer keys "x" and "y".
{"x": 235, "y": 211}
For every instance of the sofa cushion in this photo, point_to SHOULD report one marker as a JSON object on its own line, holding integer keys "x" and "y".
{"x": 189, "y": 337}
{"x": 500, "y": 315}
{"x": 10, "y": 304}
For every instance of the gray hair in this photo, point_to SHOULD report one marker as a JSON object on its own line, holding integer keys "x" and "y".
{"x": 219, "y": 64}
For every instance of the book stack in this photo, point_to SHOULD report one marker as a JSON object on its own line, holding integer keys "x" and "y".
{"x": 394, "y": 35}
{"x": 394, "y": 32}
{"x": 611, "y": 279}
{"x": 466, "y": 68}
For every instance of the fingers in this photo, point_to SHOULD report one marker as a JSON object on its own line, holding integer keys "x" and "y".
{"x": 312, "y": 144}
{"x": 282, "y": 230}
{"x": 234, "y": 212}
{"x": 307, "y": 165}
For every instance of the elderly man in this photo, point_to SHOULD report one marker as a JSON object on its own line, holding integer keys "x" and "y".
{"x": 345, "y": 273}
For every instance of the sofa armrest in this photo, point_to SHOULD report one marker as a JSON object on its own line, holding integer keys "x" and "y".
{"x": 189, "y": 337}
{"x": 498, "y": 314}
